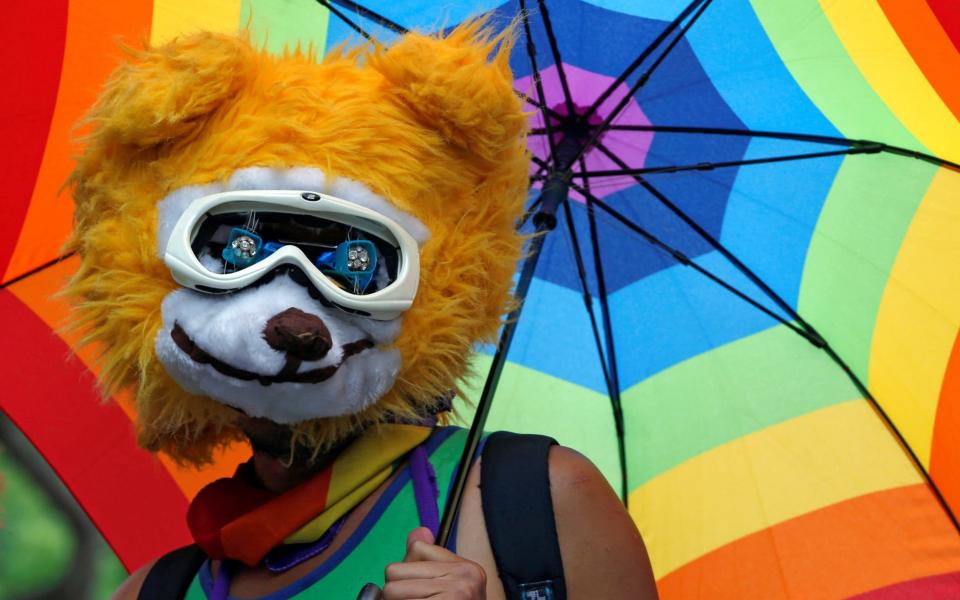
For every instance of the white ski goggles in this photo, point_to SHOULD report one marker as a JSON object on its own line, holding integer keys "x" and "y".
{"x": 356, "y": 258}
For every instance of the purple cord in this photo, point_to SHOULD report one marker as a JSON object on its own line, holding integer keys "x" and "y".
{"x": 221, "y": 585}
{"x": 425, "y": 489}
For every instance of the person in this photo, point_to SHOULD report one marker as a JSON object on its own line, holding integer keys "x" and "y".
{"x": 603, "y": 553}
{"x": 304, "y": 255}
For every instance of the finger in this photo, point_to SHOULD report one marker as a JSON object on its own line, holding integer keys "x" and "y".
{"x": 416, "y": 570}
{"x": 420, "y": 534}
{"x": 464, "y": 580}
{"x": 412, "y": 589}
{"x": 420, "y": 547}
{"x": 422, "y": 551}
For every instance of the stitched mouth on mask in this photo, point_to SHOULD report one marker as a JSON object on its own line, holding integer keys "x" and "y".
{"x": 287, "y": 375}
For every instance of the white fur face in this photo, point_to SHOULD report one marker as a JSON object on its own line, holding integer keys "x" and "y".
{"x": 216, "y": 345}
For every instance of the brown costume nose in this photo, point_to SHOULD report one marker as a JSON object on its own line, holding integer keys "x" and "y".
{"x": 299, "y": 334}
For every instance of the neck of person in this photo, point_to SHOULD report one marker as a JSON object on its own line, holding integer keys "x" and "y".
{"x": 276, "y": 468}
{"x": 276, "y": 475}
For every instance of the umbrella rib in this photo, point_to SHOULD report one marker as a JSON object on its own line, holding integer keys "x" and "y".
{"x": 36, "y": 270}
{"x": 709, "y": 166}
{"x": 595, "y": 136}
{"x": 786, "y": 135}
{"x": 706, "y": 236}
{"x": 396, "y": 28}
{"x": 366, "y": 13}
{"x": 582, "y": 275}
{"x": 898, "y": 435}
{"x": 539, "y": 161}
{"x": 791, "y": 136}
{"x": 673, "y": 44}
{"x": 542, "y": 107}
{"x": 532, "y": 54}
{"x": 615, "y": 399}
{"x": 555, "y": 51}
{"x": 686, "y": 261}
{"x": 544, "y": 169}
{"x": 808, "y": 331}
{"x": 531, "y": 210}
{"x": 587, "y": 299}
{"x": 642, "y": 57}
{"x": 343, "y": 17}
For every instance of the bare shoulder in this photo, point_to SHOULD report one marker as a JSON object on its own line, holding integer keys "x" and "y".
{"x": 130, "y": 589}
{"x": 570, "y": 469}
{"x": 603, "y": 553}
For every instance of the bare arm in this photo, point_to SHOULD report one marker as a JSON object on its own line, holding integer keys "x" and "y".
{"x": 602, "y": 551}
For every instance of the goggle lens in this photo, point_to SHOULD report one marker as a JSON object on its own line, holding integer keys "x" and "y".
{"x": 353, "y": 257}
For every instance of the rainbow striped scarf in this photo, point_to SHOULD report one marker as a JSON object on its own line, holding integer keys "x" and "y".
{"x": 233, "y": 519}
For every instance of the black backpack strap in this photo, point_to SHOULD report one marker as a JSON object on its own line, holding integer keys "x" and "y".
{"x": 171, "y": 575}
{"x": 515, "y": 492}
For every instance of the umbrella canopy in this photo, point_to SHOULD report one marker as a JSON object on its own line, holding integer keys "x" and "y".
{"x": 747, "y": 314}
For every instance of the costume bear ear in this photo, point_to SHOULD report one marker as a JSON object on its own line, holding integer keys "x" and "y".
{"x": 460, "y": 85}
{"x": 166, "y": 91}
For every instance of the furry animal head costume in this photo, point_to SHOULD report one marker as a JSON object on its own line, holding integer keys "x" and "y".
{"x": 427, "y": 132}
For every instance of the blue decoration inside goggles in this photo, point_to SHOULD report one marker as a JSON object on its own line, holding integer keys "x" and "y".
{"x": 243, "y": 248}
{"x": 352, "y": 263}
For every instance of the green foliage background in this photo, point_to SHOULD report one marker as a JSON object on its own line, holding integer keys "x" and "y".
{"x": 37, "y": 544}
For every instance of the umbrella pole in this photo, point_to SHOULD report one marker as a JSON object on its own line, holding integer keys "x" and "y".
{"x": 555, "y": 192}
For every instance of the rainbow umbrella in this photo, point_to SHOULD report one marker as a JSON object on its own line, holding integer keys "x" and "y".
{"x": 747, "y": 314}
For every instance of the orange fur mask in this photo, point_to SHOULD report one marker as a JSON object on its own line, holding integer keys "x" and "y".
{"x": 429, "y": 127}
